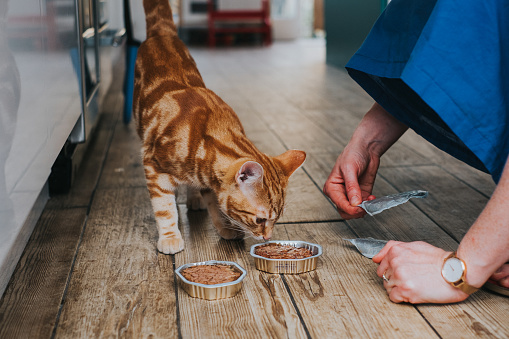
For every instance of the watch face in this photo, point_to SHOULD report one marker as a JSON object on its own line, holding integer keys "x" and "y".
{"x": 452, "y": 270}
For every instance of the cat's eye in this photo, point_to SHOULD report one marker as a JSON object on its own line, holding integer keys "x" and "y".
{"x": 260, "y": 221}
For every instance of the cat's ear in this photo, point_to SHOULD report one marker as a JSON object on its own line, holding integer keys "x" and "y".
{"x": 249, "y": 174}
{"x": 291, "y": 160}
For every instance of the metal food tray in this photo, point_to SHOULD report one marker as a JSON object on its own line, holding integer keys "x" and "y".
{"x": 211, "y": 292}
{"x": 287, "y": 266}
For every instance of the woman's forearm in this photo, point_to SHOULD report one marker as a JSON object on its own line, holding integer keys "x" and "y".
{"x": 485, "y": 247}
{"x": 378, "y": 130}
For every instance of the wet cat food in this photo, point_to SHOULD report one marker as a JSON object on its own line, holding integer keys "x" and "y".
{"x": 286, "y": 256}
{"x": 280, "y": 251}
{"x": 211, "y": 280}
{"x": 211, "y": 274}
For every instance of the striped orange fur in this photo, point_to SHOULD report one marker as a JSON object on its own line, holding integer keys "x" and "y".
{"x": 192, "y": 137}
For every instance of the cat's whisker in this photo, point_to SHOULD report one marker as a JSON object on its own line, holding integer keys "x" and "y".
{"x": 236, "y": 224}
{"x": 240, "y": 226}
{"x": 289, "y": 202}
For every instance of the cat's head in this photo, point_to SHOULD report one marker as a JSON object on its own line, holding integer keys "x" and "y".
{"x": 253, "y": 194}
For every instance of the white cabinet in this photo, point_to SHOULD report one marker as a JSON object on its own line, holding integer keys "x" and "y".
{"x": 42, "y": 75}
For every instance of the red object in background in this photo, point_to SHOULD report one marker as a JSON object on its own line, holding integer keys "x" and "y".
{"x": 239, "y": 21}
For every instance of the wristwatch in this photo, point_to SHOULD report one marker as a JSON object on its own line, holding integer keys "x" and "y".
{"x": 454, "y": 272}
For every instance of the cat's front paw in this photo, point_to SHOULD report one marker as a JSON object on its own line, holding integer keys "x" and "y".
{"x": 195, "y": 203}
{"x": 170, "y": 245}
{"x": 194, "y": 199}
{"x": 231, "y": 234}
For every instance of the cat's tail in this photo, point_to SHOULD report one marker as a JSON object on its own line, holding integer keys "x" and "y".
{"x": 159, "y": 18}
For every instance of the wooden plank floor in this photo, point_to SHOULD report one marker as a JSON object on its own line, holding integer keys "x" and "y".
{"x": 91, "y": 268}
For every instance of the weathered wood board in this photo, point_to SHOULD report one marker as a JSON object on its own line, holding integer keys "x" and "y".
{"x": 93, "y": 270}
{"x": 31, "y": 302}
{"x": 120, "y": 285}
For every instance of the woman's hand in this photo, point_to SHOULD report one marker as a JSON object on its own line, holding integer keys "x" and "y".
{"x": 414, "y": 269}
{"x": 413, "y": 273}
{"x": 352, "y": 177}
{"x": 351, "y": 181}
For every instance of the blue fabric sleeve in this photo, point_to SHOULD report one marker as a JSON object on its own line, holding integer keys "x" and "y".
{"x": 454, "y": 55}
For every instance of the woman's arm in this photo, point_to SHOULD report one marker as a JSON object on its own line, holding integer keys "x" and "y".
{"x": 485, "y": 247}
{"x": 413, "y": 269}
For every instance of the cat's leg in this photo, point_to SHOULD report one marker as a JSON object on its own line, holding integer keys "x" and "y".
{"x": 194, "y": 199}
{"x": 223, "y": 226}
{"x": 162, "y": 197}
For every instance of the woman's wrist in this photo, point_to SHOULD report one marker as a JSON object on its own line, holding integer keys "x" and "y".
{"x": 478, "y": 268}
{"x": 484, "y": 247}
{"x": 377, "y": 131}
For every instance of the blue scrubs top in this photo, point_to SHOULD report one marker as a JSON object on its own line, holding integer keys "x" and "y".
{"x": 442, "y": 68}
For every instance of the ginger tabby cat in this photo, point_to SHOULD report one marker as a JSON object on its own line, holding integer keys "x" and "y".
{"x": 191, "y": 137}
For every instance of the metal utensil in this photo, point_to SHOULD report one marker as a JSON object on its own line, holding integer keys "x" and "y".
{"x": 368, "y": 247}
{"x": 378, "y": 205}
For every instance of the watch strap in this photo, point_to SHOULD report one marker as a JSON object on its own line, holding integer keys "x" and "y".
{"x": 462, "y": 285}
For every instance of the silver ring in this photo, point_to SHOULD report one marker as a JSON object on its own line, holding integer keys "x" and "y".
{"x": 384, "y": 277}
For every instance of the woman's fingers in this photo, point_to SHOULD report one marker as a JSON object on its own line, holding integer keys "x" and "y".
{"x": 353, "y": 190}
{"x": 385, "y": 250}
{"x": 501, "y": 276}
{"x": 336, "y": 192}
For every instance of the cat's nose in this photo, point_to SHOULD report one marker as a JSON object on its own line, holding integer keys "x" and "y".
{"x": 267, "y": 234}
